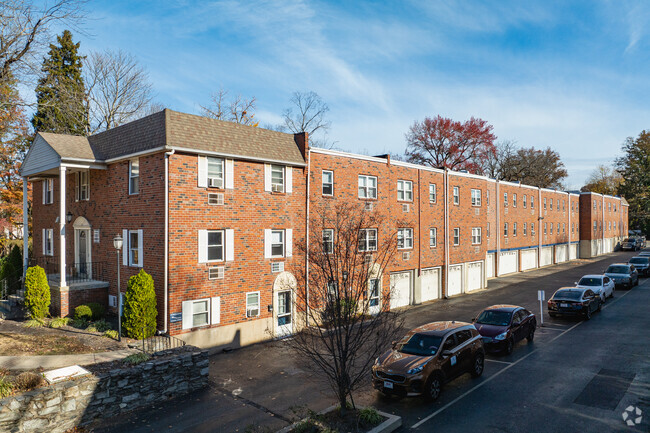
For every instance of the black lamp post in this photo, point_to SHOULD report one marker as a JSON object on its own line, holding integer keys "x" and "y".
{"x": 117, "y": 243}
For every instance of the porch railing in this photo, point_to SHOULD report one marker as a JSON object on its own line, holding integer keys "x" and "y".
{"x": 74, "y": 272}
{"x": 11, "y": 287}
{"x": 158, "y": 342}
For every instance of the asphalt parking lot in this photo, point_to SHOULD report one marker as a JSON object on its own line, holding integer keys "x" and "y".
{"x": 575, "y": 376}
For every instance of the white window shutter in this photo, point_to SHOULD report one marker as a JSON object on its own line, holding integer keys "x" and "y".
{"x": 230, "y": 245}
{"x": 140, "y": 248}
{"x": 187, "y": 314}
{"x": 230, "y": 174}
{"x": 203, "y": 246}
{"x": 125, "y": 247}
{"x": 267, "y": 177}
{"x": 44, "y": 241}
{"x": 44, "y": 189}
{"x": 76, "y": 186}
{"x": 289, "y": 179}
{"x": 215, "y": 310}
{"x": 289, "y": 246}
{"x": 267, "y": 243}
{"x": 203, "y": 172}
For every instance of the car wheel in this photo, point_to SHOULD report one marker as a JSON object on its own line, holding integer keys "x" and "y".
{"x": 600, "y": 306}
{"x": 479, "y": 363}
{"x": 434, "y": 386}
{"x": 588, "y": 314}
{"x": 509, "y": 346}
{"x": 531, "y": 334}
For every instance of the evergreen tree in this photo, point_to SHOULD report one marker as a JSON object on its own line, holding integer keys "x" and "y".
{"x": 140, "y": 311}
{"x": 61, "y": 92}
{"x": 37, "y": 293}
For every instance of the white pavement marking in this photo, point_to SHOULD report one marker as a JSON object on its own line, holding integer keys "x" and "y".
{"x": 496, "y": 360}
{"x": 468, "y": 392}
{"x": 550, "y": 328}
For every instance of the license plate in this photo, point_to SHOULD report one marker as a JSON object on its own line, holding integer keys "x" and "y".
{"x": 564, "y": 305}
{"x": 388, "y": 385}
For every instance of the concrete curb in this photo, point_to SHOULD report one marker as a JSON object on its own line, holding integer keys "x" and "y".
{"x": 392, "y": 422}
{"x": 49, "y": 362}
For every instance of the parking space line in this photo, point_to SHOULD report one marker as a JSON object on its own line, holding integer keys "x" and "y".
{"x": 489, "y": 379}
{"x": 496, "y": 360}
{"x": 551, "y": 328}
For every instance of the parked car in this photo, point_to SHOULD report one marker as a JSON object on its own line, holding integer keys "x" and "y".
{"x": 428, "y": 357}
{"x": 574, "y": 301}
{"x": 503, "y": 326}
{"x": 629, "y": 244}
{"x": 641, "y": 263}
{"x": 644, "y": 253}
{"x": 624, "y": 275}
{"x": 602, "y": 285}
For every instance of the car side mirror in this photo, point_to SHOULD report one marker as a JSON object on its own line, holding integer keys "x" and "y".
{"x": 575, "y": 282}
{"x": 447, "y": 353}
{"x": 473, "y": 319}
{"x": 516, "y": 323}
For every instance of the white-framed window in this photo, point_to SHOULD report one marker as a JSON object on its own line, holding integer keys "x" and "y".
{"x": 367, "y": 186}
{"x": 328, "y": 182}
{"x": 558, "y": 228}
{"x": 433, "y": 237}
{"x": 476, "y": 197}
{"x": 550, "y": 228}
{"x": 432, "y": 193}
{"x": 614, "y": 225}
{"x": 550, "y": 204}
{"x": 563, "y": 206}
{"x": 48, "y": 242}
{"x": 278, "y": 243}
{"x": 564, "y": 228}
{"x": 505, "y": 199}
{"x": 404, "y": 238}
{"x": 215, "y": 172}
{"x": 328, "y": 241}
{"x": 456, "y": 195}
{"x": 545, "y": 225}
{"x": 201, "y": 312}
{"x": 573, "y": 228}
{"x": 82, "y": 185}
{"x": 609, "y": 207}
{"x": 476, "y": 235}
{"x": 48, "y": 191}
{"x": 373, "y": 292}
{"x": 532, "y": 202}
{"x": 525, "y": 231}
{"x": 368, "y": 240}
{"x": 487, "y": 197}
{"x": 277, "y": 178}
{"x": 532, "y": 229}
{"x": 135, "y": 248}
{"x": 216, "y": 245}
{"x": 514, "y": 229}
{"x": 558, "y": 204}
{"x": 514, "y": 200}
{"x": 544, "y": 202}
{"x": 487, "y": 231}
{"x": 134, "y": 176}
{"x": 523, "y": 201}
{"x": 252, "y": 304}
{"x": 456, "y": 235}
{"x": 404, "y": 190}
{"x": 505, "y": 229}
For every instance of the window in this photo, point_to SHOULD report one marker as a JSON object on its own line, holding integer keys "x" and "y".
{"x": 550, "y": 204}
{"x": 200, "y": 313}
{"x": 563, "y": 208}
{"x": 505, "y": 199}
{"x": 404, "y": 238}
{"x": 524, "y": 228}
{"x": 405, "y": 190}
{"x": 456, "y": 195}
{"x": 367, "y": 186}
{"x": 514, "y": 229}
{"x": 614, "y": 225}
{"x": 96, "y": 236}
{"x": 595, "y": 226}
{"x": 82, "y": 188}
{"x": 545, "y": 226}
{"x": 48, "y": 242}
{"x": 48, "y": 191}
{"x": 532, "y": 202}
{"x": 277, "y": 178}
{"x": 135, "y": 248}
{"x": 215, "y": 245}
{"x": 523, "y": 200}
{"x": 252, "y": 304}
{"x": 563, "y": 228}
{"x": 368, "y": 240}
{"x": 505, "y": 229}
{"x": 550, "y": 229}
{"x": 476, "y": 235}
{"x": 594, "y": 204}
{"x": 432, "y": 193}
{"x": 456, "y": 236}
{"x": 277, "y": 243}
{"x": 532, "y": 229}
{"x": 514, "y": 200}
{"x": 487, "y": 197}
{"x": 609, "y": 207}
{"x": 572, "y": 228}
{"x": 433, "y": 237}
{"x": 488, "y": 230}
{"x": 544, "y": 202}
{"x": 476, "y": 197}
{"x": 134, "y": 176}
{"x": 558, "y": 228}
{"x": 328, "y": 182}
{"x": 215, "y": 172}
{"x": 558, "y": 204}
{"x": 373, "y": 292}
{"x": 328, "y": 241}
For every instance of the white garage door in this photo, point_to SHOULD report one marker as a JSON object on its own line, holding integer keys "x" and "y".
{"x": 455, "y": 280}
{"x": 546, "y": 257}
{"x": 474, "y": 276}
{"x": 430, "y": 284}
{"x": 528, "y": 259}
{"x": 560, "y": 253}
{"x": 508, "y": 262}
{"x": 489, "y": 265}
{"x": 400, "y": 289}
{"x": 573, "y": 251}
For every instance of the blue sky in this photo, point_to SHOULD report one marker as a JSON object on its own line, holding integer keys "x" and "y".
{"x": 569, "y": 75}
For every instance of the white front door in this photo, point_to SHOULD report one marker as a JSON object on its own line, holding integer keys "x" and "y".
{"x": 374, "y": 297}
{"x": 284, "y": 318}
{"x": 82, "y": 259}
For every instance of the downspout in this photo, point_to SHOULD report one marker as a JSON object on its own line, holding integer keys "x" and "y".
{"x": 539, "y": 227}
{"x": 498, "y": 230}
{"x": 602, "y": 226}
{"x": 446, "y": 287}
{"x": 25, "y": 227}
{"x": 419, "y": 234}
{"x": 568, "y": 227}
{"x": 307, "y": 238}
{"x": 166, "y": 277}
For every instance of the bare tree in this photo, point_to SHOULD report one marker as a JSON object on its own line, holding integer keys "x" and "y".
{"x": 603, "y": 180}
{"x": 346, "y": 324}
{"x": 238, "y": 110}
{"x": 118, "y": 90}
{"x": 496, "y": 164}
{"x": 308, "y": 114}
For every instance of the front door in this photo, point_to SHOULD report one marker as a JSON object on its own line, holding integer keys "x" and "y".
{"x": 82, "y": 261}
{"x": 285, "y": 314}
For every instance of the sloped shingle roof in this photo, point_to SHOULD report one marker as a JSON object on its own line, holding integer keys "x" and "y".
{"x": 69, "y": 146}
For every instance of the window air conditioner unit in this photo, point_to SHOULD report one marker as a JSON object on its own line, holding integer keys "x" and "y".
{"x": 477, "y": 211}
{"x": 406, "y": 207}
{"x": 213, "y": 182}
{"x": 368, "y": 206}
{"x": 277, "y": 267}
{"x": 277, "y": 188}
{"x": 215, "y": 199}
{"x": 406, "y": 256}
{"x": 112, "y": 301}
{"x": 216, "y": 273}
{"x": 367, "y": 259}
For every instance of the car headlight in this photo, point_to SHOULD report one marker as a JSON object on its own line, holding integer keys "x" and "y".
{"x": 377, "y": 361}
{"x": 415, "y": 369}
{"x": 501, "y": 336}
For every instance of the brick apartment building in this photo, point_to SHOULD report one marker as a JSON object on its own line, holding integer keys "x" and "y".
{"x": 212, "y": 209}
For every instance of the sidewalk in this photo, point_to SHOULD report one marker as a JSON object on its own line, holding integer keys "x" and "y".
{"x": 49, "y": 362}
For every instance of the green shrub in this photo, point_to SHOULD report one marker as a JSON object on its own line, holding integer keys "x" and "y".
{"x": 59, "y": 322}
{"x": 140, "y": 311}
{"x": 16, "y": 258}
{"x": 79, "y": 323}
{"x": 137, "y": 358}
{"x": 111, "y": 333}
{"x": 83, "y": 312}
{"x": 37, "y": 293}
{"x": 6, "y": 387}
{"x": 34, "y": 323}
{"x": 97, "y": 309}
{"x": 102, "y": 325}
{"x": 369, "y": 415}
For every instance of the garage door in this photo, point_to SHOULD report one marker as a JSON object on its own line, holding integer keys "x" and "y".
{"x": 528, "y": 259}
{"x": 489, "y": 265}
{"x": 546, "y": 256}
{"x": 400, "y": 289}
{"x": 430, "y": 284}
{"x": 560, "y": 253}
{"x": 573, "y": 251}
{"x": 474, "y": 276}
{"x": 455, "y": 280}
{"x": 508, "y": 262}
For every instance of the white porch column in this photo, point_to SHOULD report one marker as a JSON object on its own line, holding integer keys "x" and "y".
{"x": 25, "y": 227}
{"x": 62, "y": 221}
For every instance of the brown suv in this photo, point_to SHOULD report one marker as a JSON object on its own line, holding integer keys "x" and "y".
{"x": 427, "y": 357}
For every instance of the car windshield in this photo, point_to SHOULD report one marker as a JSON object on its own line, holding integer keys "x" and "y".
{"x": 641, "y": 260}
{"x": 493, "y": 317}
{"x": 590, "y": 281}
{"x": 572, "y": 295}
{"x": 617, "y": 270}
{"x": 420, "y": 344}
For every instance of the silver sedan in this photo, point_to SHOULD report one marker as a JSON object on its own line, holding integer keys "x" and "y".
{"x": 602, "y": 285}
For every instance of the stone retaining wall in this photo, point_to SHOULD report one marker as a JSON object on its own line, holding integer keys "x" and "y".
{"x": 80, "y": 401}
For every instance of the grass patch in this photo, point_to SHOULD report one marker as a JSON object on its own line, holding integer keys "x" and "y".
{"x": 59, "y": 322}
{"x": 137, "y": 358}
{"x": 355, "y": 420}
{"x": 6, "y": 387}
{"x": 369, "y": 415}
{"x": 34, "y": 323}
{"x": 111, "y": 333}
{"x": 28, "y": 380}
{"x": 26, "y": 344}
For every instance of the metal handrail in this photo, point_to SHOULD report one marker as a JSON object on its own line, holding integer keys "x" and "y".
{"x": 157, "y": 342}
